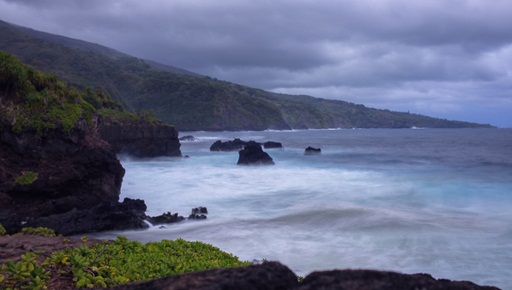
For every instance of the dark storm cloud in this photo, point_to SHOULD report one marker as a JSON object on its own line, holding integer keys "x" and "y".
{"x": 433, "y": 57}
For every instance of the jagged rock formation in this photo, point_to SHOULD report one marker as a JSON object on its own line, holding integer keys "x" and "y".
{"x": 234, "y": 145}
{"x": 54, "y": 174}
{"x": 141, "y": 138}
{"x": 252, "y": 154}
{"x": 238, "y": 144}
{"x": 312, "y": 151}
{"x": 273, "y": 275}
{"x": 198, "y": 213}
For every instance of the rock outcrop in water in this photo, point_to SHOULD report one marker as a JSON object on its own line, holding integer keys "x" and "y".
{"x": 141, "y": 138}
{"x": 252, "y": 154}
{"x": 312, "y": 151}
{"x": 238, "y": 144}
{"x": 234, "y": 145}
{"x": 273, "y": 275}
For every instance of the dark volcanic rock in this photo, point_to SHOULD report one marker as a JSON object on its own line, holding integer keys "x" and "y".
{"x": 271, "y": 275}
{"x": 73, "y": 171}
{"x": 166, "y": 218}
{"x": 252, "y": 154}
{"x": 188, "y": 138}
{"x": 238, "y": 144}
{"x": 141, "y": 138}
{"x": 130, "y": 214}
{"x": 198, "y": 213}
{"x": 272, "y": 144}
{"x": 234, "y": 145}
{"x": 311, "y": 151}
{"x": 380, "y": 280}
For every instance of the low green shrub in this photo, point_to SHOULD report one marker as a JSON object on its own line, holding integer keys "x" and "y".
{"x": 110, "y": 263}
{"x": 44, "y": 232}
{"x": 3, "y": 232}
{"x": 24, "y": 274}
{"x": 121, "y": 261}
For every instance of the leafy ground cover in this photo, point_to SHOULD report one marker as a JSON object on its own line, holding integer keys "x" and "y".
{"x": 108, "y": 263}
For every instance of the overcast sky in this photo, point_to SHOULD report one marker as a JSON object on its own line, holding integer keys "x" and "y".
{"x": 444, "y": 58}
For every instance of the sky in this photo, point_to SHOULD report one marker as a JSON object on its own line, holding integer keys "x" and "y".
{"x": 443, "y": 58}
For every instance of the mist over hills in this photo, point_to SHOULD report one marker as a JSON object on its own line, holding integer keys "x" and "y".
{"x": 191, "y": 101}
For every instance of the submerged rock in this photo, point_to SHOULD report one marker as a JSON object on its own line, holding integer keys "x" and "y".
{"x": 252, "y": 154}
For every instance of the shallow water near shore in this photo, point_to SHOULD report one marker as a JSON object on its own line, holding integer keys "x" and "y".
{"x": 431, "y": 200}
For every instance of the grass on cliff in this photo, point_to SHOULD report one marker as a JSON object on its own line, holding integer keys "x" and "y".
{"x": 33, "y": 100}
{"x": 110, "y": 263}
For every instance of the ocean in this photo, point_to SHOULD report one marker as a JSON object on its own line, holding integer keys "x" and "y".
{"x": 434, "y": 201}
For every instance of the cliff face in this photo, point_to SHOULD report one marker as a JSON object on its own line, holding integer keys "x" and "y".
{"x": 54, "y": 174}
{"x": 141, "y": 138}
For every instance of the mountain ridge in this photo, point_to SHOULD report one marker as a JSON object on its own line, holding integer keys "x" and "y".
{"x": 191, "y": 101}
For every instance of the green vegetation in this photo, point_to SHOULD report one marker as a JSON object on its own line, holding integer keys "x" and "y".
{"x": 44, "y": 232}
{"x": 190, "y": 101}
{"x": 31, "y": 100}
{"x": 25, "y": 274}
{"x": 26, "y": 178}
{"x": 109, "y": 263}
{"x": 3, "y": 232}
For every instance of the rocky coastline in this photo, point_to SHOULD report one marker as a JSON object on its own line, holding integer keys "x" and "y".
{"x": 71, "y": 182}
{"x": 77, "y": 189}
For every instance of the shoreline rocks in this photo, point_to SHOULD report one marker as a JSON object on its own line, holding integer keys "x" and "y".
{"x": 274, "y": 275}
{"x": 54, "y": 174}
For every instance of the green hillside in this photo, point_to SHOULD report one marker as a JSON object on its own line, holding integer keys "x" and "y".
{"x": 188, "y": 100}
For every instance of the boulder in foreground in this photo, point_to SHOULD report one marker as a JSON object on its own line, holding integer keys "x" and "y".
{"x": 273, "y": 275}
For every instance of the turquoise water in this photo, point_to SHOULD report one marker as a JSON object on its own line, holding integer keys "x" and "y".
{"x": 428, "y": 200}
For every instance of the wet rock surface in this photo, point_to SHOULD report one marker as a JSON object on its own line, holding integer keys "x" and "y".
{"x": 238, "y": 144}
{"x": 73, "y": 171}
{"x": 312, "y": 151}
{"x": 252, "y": 154}
{"x": 273, "y": 275}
